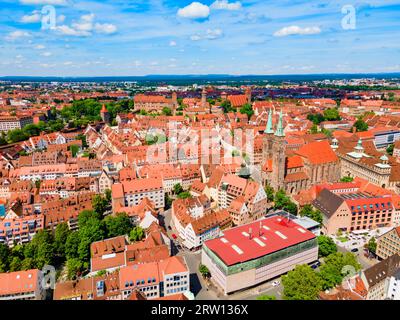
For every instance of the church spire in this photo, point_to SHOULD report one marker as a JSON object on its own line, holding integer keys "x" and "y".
{"x": 269, "y": 129}
{"x": 279, "y": 130}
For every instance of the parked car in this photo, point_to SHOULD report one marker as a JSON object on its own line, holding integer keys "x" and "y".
{"x": 169, "y": 228}
{"x": 174, "y": 236}
{"x": 315, "y": 265}
{"x": 354, "y": 250}
{"x": 276, "y": 283}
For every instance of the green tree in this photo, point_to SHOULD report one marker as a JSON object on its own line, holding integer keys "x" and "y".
{"x": 247, "y": 109}
{"x": 86, "y": 215}
{"x": 61, "y": 235}
{"x": 91, "y": 232}
{"x": 74, "y": 268}
{"x": 332, "y": 114}
{"x": 270, "y": 193}
{"x": 204, "y": 271}
{"x": 316, "y": 118}
{"x": 27, "y": 264}
{"x": 16, "y": 135}
{"x": 136, "y": 234}
{"x": 177, "y": 189}
{"x": 326, "y": 246}
{"x": 371, "y": 245}
{"x": 15, "y": 264}
{"x": 347, "y": 179}
{"x": 31, "y": 130}
{"x": 4, "y": 258}
{"x": 184, "y": 195}
{"x": 167, "y": 111}
{"x": 336, "y": 266}
{"x": 100, "y": 204}
{"x": 283, "y": 202}
{"x": 302, "y": 283}
{"x": 74, "y": 150}
{"x": 41, "y": 249}
{"x": 227, "y": 106}
{"x": 71, "y": 245}
{"x": 118, "y": 225}
{"x": 361, "y": 125}
{"x": 390, "y": 149}
{"x": 308, "y": 211}
{"x": 108, "y": 195}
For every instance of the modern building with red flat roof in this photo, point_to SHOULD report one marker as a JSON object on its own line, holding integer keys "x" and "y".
{"x": 251, "y": 254}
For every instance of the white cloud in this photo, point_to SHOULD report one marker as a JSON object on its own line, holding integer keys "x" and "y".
{"x": 46, "y": 54}
{"x": 294, "y": 30}
{"x": 105, "y": 28}
{"x": 17, "y": 34}
{"x": 225, "y": 5}
{"x": 44, "y": 2}
{"x": 195, "y": 38}
{"x": 33, "y": 18}
{"x": 211, "y": 34}
{"x": 85, "y": 23}
{"x": 172, "y": 44}
{"x": 195, "y": 10}
{"x": 39, "y": 47}
{"x": 85, "y": 26}
{"x": 214, "y": 34}
{"x": 68, "y": 31}
{"x": 67, "y": 63}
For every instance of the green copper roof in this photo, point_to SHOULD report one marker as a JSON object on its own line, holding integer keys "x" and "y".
{"x": 279, "y": 130}
{"x": 269, "y": 123}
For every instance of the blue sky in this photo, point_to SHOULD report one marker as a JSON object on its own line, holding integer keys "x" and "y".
{"x": 137, "y": 37}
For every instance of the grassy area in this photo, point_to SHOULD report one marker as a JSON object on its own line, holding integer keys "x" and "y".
{"x": 343, "y": 239}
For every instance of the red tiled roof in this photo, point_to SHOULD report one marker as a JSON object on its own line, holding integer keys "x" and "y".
{"x": 249, "y": 248}
{"x": 318, "y": 152}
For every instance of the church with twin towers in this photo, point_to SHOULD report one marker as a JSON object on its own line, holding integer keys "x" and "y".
{"x": 295, "y": 170}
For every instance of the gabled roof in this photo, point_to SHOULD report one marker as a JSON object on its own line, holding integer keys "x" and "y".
{"x": 382, "y": 270}
{"x": 327, "y": 202}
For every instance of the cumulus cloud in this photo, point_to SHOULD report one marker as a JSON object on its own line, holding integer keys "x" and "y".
{"x": 32, "y": 18}
{"x": 225, "y": 5}
{"x": 39, "y": 47}
{"x": 195, "y": 10}
{"x": 105, "y": 28}
{"x": 172, "y": 43}
{"x": 296, "y": 30}
{"x": 86, "y": 26}
{"x": 17, "y": 34}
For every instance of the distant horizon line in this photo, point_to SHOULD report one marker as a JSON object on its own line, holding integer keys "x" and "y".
{"x": 213, "y": 76}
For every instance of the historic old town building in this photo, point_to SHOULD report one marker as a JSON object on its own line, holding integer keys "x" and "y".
{"x": 312, "y": 163}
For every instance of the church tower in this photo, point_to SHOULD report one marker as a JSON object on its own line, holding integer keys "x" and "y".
{"x": 268, "y": 139}
{"x": 105, "y": 115}
{"x": 278, "y": 156}
{"x": 204, "y": 98}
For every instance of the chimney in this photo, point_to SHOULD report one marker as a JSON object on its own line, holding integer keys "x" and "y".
{"x": 260, "y": 230}
{"x": 250, "y": 233}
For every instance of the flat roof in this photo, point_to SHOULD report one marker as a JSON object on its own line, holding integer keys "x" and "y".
{"x": 268, "y": 235}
